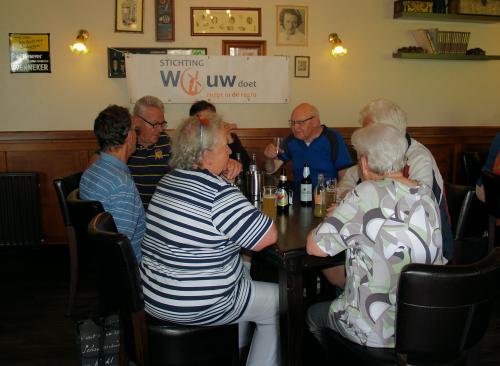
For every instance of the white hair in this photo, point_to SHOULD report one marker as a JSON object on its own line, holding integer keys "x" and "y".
{"x": 384, "y": 147}
{"x": 145, "y": 102}
{"x": 384, "y": 111}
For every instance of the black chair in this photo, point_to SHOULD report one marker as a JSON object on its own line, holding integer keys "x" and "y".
{"x": 473, "y": 162}
{"x": 459, "y": 199}
{"x": 147, "y": 340}
{"x": 63, "y": 186}
{"x": 441, "y": 315}
{"x": 80, "y": 213}
{"x": 491, "y": 184}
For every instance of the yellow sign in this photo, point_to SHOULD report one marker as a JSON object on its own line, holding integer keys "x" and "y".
{"x": 29, "y": 53}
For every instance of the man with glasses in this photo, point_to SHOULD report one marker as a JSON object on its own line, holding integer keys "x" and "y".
{"x": 311, "y": 142}
{"x": 149, "y": 163}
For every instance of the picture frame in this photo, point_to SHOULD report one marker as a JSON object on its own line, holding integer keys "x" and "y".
{"x": 302, "y": 66}
{"x": 291, "y": 25}
{"x": 116, "y": 56}
{"x": 243, "y": 48}
{"x": 29, "y": 53}
{"x": 164, "y": 20}
{"x": 223, "y": 21}
{"x": 129, "y": 15}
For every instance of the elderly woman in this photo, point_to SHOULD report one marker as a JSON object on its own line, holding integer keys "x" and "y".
{"x": 386, "y": 222}
{"x": 195, "y": 226}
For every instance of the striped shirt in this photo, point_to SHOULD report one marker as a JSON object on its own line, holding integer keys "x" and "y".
{"x": 148, "y": 165}
{"x": 191, "y": 269}
{"x": 108, "y": 181}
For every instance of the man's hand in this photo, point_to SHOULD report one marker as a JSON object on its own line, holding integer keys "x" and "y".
{"x": 230, "y": 127}
{"x": 233, "y": 168}
{"x": 271, "y": 151}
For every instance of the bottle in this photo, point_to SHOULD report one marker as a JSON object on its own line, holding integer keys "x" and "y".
{"x": 320, "y": 197}
{"x": 282, "y": 194}
{"x": 306, "y": 187}
{"x": 254, "y": 181}
{"x": 239, "y": 181}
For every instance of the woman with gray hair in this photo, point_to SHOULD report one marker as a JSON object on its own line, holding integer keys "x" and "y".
{"x": 195, "y": 226}
{"x": 386, "y": 222}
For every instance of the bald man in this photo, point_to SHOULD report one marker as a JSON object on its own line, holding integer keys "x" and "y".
{"x": 310, "y": 142}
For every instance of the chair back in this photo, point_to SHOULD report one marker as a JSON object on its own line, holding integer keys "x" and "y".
{"x": 119, "y": 282}
{"x": 64, "y": 186}
{"x": 459, "y": 199}
{"x": 473, "y": 163}
{"x": 80, "y": 213}
{"x": 491, "y": 183}
{"x": 443, "y": 311}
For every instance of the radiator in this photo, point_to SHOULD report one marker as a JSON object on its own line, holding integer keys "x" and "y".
{"x": 19, "y": 209}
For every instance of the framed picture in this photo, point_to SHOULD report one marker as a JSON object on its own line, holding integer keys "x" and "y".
{"x": 225, "y": 21}
{"x": 164, "y": 20}
{"x": 129, "y": 15}
{"x": 291, "y": 25}
{"x": 29, "y": 52}
{"x": 302, "y": 66}
{"x": 244, "y": 48}
{"x": 116, "y": 56}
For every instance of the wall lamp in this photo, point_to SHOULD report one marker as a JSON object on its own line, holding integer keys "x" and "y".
{"x": 337, "y": 48}
{"x": 80, "y": 47}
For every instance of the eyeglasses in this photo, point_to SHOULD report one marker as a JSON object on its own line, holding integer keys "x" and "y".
{"x": 155, "y": 125}
{"x": 292, "y": 123}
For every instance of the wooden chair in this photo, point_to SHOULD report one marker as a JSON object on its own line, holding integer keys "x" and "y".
{"x": 491, "y": 183}
{"x": 473, "y": 162}
{"x": 63, "y": 186}
{"x": 442, "y": 314}
{"x": 145, "y": 340}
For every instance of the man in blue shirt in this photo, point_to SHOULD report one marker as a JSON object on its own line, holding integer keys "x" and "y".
{"x": 108, "y": 180}
{"x": 311, "y": 142}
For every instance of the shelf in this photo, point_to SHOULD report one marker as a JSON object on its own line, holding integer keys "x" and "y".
{"x": 444, "y": 56}
{"x": 447, "y": 17}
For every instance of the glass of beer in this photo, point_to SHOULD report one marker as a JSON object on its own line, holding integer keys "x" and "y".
{"x": 331, "y": 192}
{"x": 269, "y": 201}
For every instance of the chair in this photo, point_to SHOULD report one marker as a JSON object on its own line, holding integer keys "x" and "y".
{"x": 147, "y": 340}
{"x": 442, "y": 314}
{"x": 491, "y": 183}
{"x": 80, "y": 212}
{"x": 459, "y": 199}
{"x": 63, "y": 186}
{"x": 473, "y": 163}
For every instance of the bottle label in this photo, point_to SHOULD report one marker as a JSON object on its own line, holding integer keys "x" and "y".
{"x": 306, "y": 192}
{"x": 281, "y": 197}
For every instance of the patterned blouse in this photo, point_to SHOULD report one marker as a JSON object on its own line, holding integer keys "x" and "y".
{"x": 383, "y": 225}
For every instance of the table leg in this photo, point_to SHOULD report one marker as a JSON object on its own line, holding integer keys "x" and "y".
{"x": 291, "y": 312}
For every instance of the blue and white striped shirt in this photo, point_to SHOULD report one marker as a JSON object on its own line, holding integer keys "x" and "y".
{"x": 108, "y": 181}
{"x": 191, "y": 269}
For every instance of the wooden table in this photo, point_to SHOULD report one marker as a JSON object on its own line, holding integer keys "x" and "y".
{"x": 289, "y": 256}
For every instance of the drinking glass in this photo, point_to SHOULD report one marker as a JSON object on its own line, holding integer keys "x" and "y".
{"x": 269, "y": 201}
{"x": 277, "y": 143}
{"x": 331, "y": 192}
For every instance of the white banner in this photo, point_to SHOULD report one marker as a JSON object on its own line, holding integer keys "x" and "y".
{"x": 218, "y": 79}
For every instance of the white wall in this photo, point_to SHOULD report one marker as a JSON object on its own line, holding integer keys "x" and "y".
{"x": 434, "y": 93}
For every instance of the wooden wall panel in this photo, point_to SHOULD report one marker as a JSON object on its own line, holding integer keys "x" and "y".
{"x": 59, "y": 153}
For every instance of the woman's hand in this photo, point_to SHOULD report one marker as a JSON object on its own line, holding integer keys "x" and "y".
{"x": 233, "y": 168}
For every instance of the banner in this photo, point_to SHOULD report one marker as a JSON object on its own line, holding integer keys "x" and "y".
{"x": 218, "y": 79}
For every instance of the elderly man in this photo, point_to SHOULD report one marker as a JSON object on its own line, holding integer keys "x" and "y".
{"x": 149, "y": 163}
{"x": 108, "y": 179}
{"x": 420, "y": 164}
{"x": 311, "y": 142}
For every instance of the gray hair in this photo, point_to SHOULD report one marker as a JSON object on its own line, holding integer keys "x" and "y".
{"x": 147, "y": 101}
{"x": 187, "y": 149}
{"x": 383, "y": 145}
{"x": 384, "y": 111}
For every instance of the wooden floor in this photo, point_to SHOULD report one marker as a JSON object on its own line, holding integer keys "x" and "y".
{"x": 34, "y": 329}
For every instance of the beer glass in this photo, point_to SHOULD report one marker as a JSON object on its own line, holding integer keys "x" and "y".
{"x": 277, "y": 142}
{"x": 269, "y": 201}
{"x": 331, "y": 192}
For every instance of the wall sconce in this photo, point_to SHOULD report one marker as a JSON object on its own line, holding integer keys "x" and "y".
{"x": 80, "y": 47}
{"x": 337, "y": 48}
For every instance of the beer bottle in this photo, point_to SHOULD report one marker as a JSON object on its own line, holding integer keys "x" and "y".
{"x": 282, "y": 194}
{"x": 306, "y": 187}
{"x": 239, "y": 181}
{"x": 319, "y": 197}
